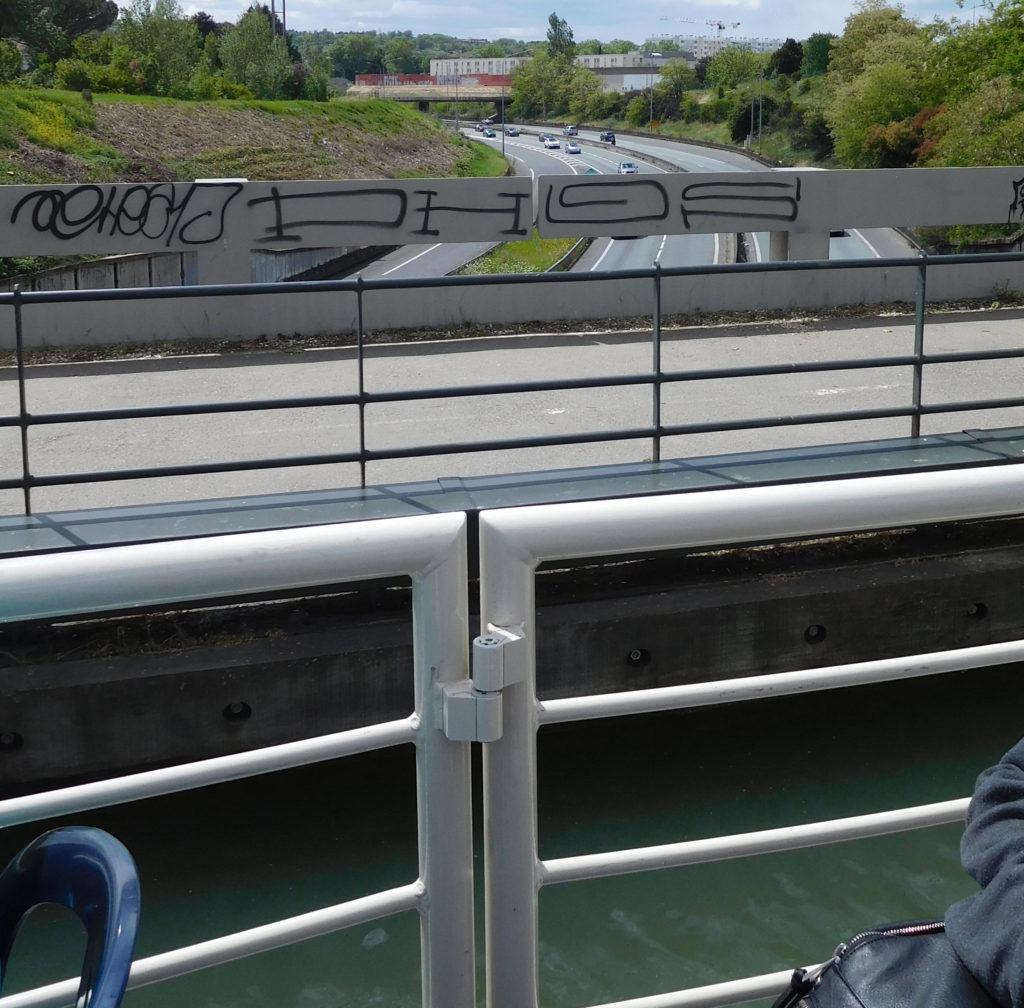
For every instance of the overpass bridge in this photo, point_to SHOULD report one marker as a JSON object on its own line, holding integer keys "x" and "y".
{"x": 425, "y": 95}
{"x": 467, "y": 615}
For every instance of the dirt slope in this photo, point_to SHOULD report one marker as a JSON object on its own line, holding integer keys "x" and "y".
{"x": 171, "y": 141}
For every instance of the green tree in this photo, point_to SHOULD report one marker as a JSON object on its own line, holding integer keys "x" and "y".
{"x": 560, "y": 41}
{"x": 816, "y": 52}
{"x": 787, "y": 59}
{"x": 50, "y": 26}
{"x": 983, "y": 51}
{"x": 700, "y": 71}
{"x": 164, "y": 42}
{"x": 354, "y": 54}
{"x": 10, "y": 60}
{"x": 401, "y": 55}
{"x": 583, "y": 94}
{"x": 254, "y": 57}
{"x": 985, "y": 129}
{"x": 879, "y": 96}
{"x": 884, "y": 70}
{"x": 206, "y": 25}
{"x": 637, "y": 110}
{"x": 534, "y": 88}
{"x": 677, "y": 77}
{"x": 871, "y": 35}
{"x": 732, "y": 66}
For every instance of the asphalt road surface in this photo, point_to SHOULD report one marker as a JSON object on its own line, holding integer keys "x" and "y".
{"x": 296, "y": 432}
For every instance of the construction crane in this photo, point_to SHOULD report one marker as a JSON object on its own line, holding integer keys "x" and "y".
{"x": 722, "y": 25}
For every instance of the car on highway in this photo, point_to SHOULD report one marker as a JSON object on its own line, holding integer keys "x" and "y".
{"x": 572, "y": 147}
{"x": 607, "y": 136}
{"x": 628, "y": 168}
{"x": 543, "y": 136}
{"x": 551, "y": 142}
{"x": 488, "y": 132}
{"x": 479, "y": 127}
{"x": 511, "y": 131}
{"x": 570, "y": 130}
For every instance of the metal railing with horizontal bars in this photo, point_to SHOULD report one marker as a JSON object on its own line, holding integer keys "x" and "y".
{"x": 431, "y": 551}
{"x": 650, "y": 430}
{"x": 514, "y": 542}
{"x": 497, "y": 706}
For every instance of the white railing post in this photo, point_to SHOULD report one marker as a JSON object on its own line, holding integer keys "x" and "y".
{"x": 444, "y": 783}
{"x": 514, "y": 541}
{"x": 431, "y": 550}
{"x": 511, "y": 862}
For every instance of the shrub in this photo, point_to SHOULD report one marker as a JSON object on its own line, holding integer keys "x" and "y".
{"x": 114, "y": 80}
{"x": 10, "y": 60}
{"x": 74, "y": 74}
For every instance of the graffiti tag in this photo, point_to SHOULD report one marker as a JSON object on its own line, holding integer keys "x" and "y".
{"x": 160, "y": 212}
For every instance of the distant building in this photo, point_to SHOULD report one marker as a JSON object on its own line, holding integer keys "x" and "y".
{"x": 631, "y": 71}
{"x": 707, "y": 46}
{"x": 460, "y": 66}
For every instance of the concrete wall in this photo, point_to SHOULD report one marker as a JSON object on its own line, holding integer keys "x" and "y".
{"x": 318, "y": 666}
{"x": 329, "y": 313}
{"x": 220, "y": 223}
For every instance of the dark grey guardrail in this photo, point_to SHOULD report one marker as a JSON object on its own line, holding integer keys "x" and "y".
{"x": 655, "y": 377}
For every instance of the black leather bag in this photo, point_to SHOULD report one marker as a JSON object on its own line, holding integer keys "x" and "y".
{"x": 910, "y": 965}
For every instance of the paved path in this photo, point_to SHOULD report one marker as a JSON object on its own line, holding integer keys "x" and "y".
{"x": 295, "y": 432}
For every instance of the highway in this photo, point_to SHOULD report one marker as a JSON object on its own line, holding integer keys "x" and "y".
{"x": 296, "y": 432}
{"x": 605, "y": 253}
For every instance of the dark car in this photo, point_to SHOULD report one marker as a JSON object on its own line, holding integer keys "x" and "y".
{"x": 511, "y": 131}
{"x": 608, "y": 137}
{"x": 488, "y": 132}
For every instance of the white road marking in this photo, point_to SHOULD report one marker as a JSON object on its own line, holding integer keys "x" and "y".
{"x": 412, "y": 260}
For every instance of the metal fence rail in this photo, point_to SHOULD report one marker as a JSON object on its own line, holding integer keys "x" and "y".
{"x": 651, "y": 428}
{"x": 431, "y": 550}
{"x": 514, "y": 542}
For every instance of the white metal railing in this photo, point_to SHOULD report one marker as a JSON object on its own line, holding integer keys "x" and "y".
{"x": 513, "y": 542}
{"x": 431, "y": 550}
{"x": 498, "y": 705}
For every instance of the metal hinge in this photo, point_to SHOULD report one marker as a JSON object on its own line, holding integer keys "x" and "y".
{"x": 472, "y": 708}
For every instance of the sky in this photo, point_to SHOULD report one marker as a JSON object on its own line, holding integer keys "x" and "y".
{"x": 527, "y": 20}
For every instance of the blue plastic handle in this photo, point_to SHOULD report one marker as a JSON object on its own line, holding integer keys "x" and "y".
{"x": 91, "y": 873}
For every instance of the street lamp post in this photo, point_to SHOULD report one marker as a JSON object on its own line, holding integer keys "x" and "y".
{"x": 650, "y": 87}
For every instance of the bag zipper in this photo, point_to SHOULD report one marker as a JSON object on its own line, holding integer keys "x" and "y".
{"x": 888, "y": 931}
{"x": 805, "y": 980}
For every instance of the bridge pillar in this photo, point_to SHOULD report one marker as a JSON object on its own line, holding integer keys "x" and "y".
{"x": 785, "y": 245}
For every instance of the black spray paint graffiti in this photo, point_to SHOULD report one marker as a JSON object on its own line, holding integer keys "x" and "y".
{"x": 389, "y": 210}
{"x": 612, "y": 202}
{"x": 763, "y": 201}
{"x": 636, "y": 201}
{"x": 193, "y": 216}
{"x": 1016, "y": 211}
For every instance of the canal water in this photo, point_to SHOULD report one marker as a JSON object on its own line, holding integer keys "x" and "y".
{"x": 239, "y": 855}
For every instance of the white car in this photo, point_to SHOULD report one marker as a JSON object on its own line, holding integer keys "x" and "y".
{"x": 628, "y": 168}
{"x": 551, "y": 143}
{"x": 572, "y": 147}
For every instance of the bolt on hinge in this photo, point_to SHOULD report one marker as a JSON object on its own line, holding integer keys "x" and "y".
{"x": 472, "y": 709}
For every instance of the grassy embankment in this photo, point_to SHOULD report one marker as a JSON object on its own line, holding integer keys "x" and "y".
{"x": 55, "y": 136}
{"x": 49, "y": 137}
